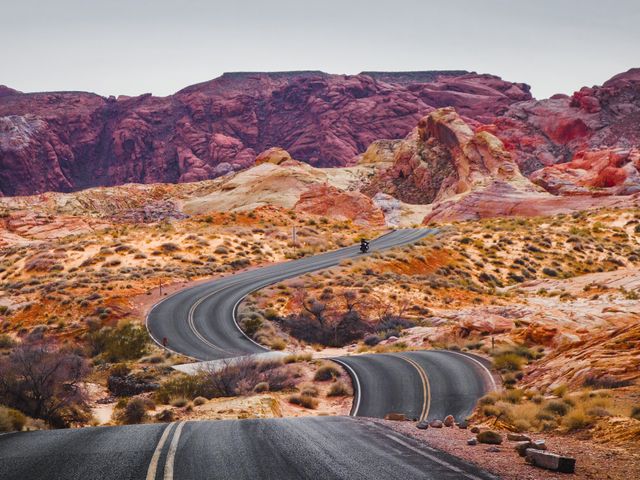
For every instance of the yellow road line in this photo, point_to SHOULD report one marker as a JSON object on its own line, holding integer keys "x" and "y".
{"x": 171, "y": 454}
{"x": 153, "y": 466}
{"x": 426, "y": 387}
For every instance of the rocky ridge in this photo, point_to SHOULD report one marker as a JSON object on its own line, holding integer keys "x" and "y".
{"x": 66, "y": 141}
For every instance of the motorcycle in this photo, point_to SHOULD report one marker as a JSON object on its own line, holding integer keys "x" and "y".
{"x": 364, "y": 246}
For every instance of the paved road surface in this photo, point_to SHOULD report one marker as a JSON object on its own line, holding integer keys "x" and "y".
{"x": 421, "y": 384}
{"x": 302, "y": 448}
{"x": 199, "y": 321}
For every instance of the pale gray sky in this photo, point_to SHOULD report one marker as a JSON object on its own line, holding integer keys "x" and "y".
{"x": 137, "y": 46}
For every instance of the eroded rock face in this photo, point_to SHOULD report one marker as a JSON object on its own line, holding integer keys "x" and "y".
{"x": 323, "y": 199}
{"x": 70, "y": 141}
{"x": 443, "y": 157}
{"x": 612, "y": 171}
{"x": 546, "y": 132}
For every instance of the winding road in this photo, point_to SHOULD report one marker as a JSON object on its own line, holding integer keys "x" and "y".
{"x": 200, "y": 323}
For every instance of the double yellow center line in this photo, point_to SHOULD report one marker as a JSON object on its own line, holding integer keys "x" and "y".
{"x": 171, "y": 453}
{"x": 426, "y": 387}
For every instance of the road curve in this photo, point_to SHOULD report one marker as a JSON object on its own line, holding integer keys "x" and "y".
{"x": 199, "y": 322}
{"x": 428, "y": 384}
{"x": 301, "y": 448}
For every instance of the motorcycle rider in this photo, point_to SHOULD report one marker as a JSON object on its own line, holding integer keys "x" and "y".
{"x": 364, "y": 245}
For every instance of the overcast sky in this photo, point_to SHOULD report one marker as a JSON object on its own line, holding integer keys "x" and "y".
{"x": 137, "y": 46}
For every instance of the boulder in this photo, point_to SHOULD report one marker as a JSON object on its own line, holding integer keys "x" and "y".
{"x": 472, "y": 441}
{"x": 550, "y": 461}
{"x": 523, "y": 446}
{"x": 436, "y": 424}
{"x": 422, "y": 425}
{"x": 518, "y": 437}
{"x": 492, "y": 449}
{"x": 449, "y": 421}
{"x": 490, "y": 437}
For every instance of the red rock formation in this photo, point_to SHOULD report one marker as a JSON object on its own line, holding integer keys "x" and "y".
{"x": 542, "y": 133}
{"x": 608, "y": 171}
{"x": 443, "y": 157}
{"x": 69, "y": 141}
{"x": 325, "y": 200}
{"x": 275, "y": 155}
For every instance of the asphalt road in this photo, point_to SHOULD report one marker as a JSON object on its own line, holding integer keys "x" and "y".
{"x": 427, "y": 384}
{"x": 199, "y": 322}
{"x": 301, "y": 448}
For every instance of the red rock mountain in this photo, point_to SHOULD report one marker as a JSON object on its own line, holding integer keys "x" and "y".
{"x": 545, "y": 132}
{"x": 65, "y": 141}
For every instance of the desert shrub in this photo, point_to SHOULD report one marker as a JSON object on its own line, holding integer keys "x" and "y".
{"x": 338, "y": 389}
{"x": 326, "y": 372}
{"x": 185, "y": 386}
{"x": 489, "y": 399}
{"x": 6, "y": 341}
{"x": 127, "y": 341}
{"x": 134, "y": 412}
{"x": 309, "y": 390}
{"x": 314, "y": 325}
{"x": 11, "y": 420}
{"x": 304, "y": 401}
{"x": 371, "y": 340}
{"x": 261, "y": 387}
{"x": 124, "y": 384}
{"x": 557, "y": 407}
{"x": 199, "y": 401}
{"x": 605, "y": 381}
{"x": 635, "y": 412}
{"x": 44, "y": 381}
{"x": 251, "y": 325}
{"x": 514, "y": 395}
{"x": 577, "y": 419}
{"x": 277, "y": 344}
{"x": 298, "y": 357}
{"x": 179, "y": 402}
{"x": 165, "y": 415}
{"x": 169, "y": 247}
{"x": 508, "y": 362}
{"x": 522, "y": 425}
